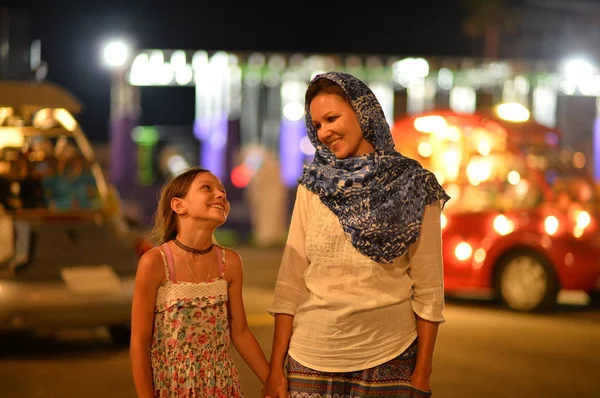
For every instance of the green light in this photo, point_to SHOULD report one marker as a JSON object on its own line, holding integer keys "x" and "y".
{"x": 145, "y": 172}
{"x": 144, "y": 135}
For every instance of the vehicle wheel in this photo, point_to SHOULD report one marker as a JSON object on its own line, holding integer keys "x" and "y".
{"x": 13, "y": 341}
{"x": 594, "y": 299}
{"x": 120, "y": 334}
{"x": 525, "y": 281}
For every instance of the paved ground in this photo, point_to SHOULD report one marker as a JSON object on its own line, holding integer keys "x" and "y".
{"x": 483, "y": 351}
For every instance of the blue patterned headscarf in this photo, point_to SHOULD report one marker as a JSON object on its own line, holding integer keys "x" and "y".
{"x": 379, "y": 197}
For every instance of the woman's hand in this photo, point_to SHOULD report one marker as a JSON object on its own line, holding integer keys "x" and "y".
{"x": 276, "y": 385}
{"x": 420, "y": 380}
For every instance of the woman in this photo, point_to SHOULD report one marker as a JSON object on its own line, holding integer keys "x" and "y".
{"x": 359, "y": 295}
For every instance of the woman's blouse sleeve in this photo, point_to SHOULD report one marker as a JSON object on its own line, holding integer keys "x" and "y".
{"x": 426, "y": 267}
{"x": 290, "y": 284}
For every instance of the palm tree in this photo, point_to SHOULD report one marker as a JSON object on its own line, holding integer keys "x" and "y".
{"x": 488, "y": 19}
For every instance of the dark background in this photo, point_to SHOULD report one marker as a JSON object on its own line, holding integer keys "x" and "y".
{"x": 73, "y": 33}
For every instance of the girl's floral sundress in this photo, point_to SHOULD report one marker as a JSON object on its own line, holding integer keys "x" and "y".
{"x": 190, "y": 343}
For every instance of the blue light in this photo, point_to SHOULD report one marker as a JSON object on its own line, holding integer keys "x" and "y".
{"x": 291, "y": 156}
{"x": 597, "y": 149}
{"x": 551, "y": 138}
{"x": 213, "y": 137}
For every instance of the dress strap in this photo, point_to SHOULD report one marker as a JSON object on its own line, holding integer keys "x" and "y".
{"x": 170, "y": 263}
{"x": 166, "y": 265}
{"x": 221, "y": 260}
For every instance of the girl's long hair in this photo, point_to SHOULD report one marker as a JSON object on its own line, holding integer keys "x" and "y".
{"x": 165, "y": 219}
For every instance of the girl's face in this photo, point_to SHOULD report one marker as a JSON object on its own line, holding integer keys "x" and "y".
{"x": 337, "y": 126}
{"x": 205, "y": 200}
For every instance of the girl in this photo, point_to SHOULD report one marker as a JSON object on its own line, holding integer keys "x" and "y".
{"x": 187, "y": 300}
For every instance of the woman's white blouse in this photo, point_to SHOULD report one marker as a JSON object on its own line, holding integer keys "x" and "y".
{"x": 351, "y": 313}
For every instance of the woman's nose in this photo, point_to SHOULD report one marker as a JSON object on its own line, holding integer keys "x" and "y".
{"x": 323, "y": 134}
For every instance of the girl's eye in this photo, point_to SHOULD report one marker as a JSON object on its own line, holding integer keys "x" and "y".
{"x": 317, "y": 126}
{"x": 206, "y": 187}
{"x": 331, "y": 119}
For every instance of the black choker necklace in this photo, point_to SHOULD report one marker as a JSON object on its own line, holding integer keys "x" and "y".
{"x": 191, "y": 249}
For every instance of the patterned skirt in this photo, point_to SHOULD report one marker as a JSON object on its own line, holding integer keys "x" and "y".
{"x": 391, "y": 379}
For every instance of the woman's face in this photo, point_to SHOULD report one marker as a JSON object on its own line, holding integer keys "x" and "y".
{"x": 337, "y": 126}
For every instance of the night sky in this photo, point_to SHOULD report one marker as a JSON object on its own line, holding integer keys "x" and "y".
{"x": 73, "y": 34}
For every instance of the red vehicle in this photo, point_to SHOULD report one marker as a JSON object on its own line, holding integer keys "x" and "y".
{"x": 522, "y": 222}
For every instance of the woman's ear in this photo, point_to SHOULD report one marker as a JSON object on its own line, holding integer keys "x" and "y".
{"x": 178, "y": 206}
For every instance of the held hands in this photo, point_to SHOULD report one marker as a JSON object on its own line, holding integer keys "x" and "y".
{"x": 276, "y": 385}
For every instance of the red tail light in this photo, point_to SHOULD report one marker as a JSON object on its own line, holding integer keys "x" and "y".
{"x": 142, "y": 246}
